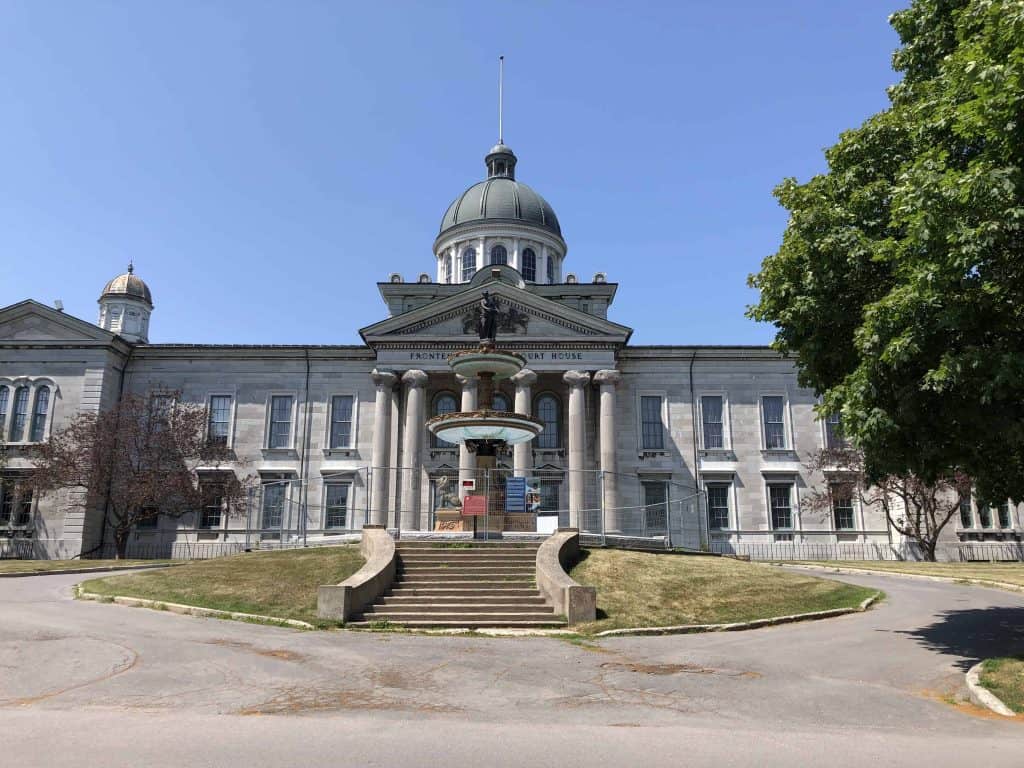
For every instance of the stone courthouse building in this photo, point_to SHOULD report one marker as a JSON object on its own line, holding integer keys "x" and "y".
{"x": 704, "y": 445}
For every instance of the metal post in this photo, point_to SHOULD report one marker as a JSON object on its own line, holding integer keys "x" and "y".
{"x": 604, "y": 540}
{"x": 668, "y": 514}
{"x": 250, "y": 493}
{"x": 487, "y": 506}
{"x": 367, "y": 490}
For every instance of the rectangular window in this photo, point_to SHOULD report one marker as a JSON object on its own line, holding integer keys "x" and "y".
{"x": 779, "y": 499}
{"x": 161, "y": 408}
{"x": 718, "y": 505}
{"x": 711, "y": 415}
{"x": 15, "y": 504}
{"x": 336, "y": 511}
{"x": 1004, "y": 515}
{"x": 655, "y": 506}
{"x": 210, "y": 514}
{"x": 651, "y": 428}
{"x": 341, "y": 421}
{"x": 985, "y": 515}
{"x": 842, "y": 507}
{"x": 773, "y": 407}
{"x": 219, "y": 426}
{"x": 834, "y": 439}
{"x": 273, "y": 504}
{"x": 280, "y": 421}
{"x": 149, "y": 522}
{"x": 6, "y": 501}
{"x": 966, "y": 518}
{"x": 24, "y": 507}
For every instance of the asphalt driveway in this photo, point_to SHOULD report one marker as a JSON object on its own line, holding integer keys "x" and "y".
{"x": 84, "y": 683}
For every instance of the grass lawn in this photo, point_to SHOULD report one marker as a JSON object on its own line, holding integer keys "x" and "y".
{"x": 1011, "y": 573}
{"x": 43, "y": 566}
{"x": 1005, "y": 678}
{"x": 642, "y": 589}
{"x": 280, "y": 584}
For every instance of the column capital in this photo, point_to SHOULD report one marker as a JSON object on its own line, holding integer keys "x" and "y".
{"x": 383, "y": 379}
{"x": 609, "y": 377}
{"x": 576, "y": 378}
{"x": 414, "y": 378}
{"x": 467, "y": 382}
{"x": 525, "y": 378}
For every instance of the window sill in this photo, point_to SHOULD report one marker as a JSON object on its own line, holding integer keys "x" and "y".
{"x": 652, "y": 453}
{"x": 290, "y": 453}
{"x": 344, "y": 453}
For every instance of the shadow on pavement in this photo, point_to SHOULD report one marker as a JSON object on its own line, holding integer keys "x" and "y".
{"x": 974, "y": 634}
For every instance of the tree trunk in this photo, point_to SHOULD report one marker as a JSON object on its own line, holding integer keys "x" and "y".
{"x": 928, "y": 549}
{"x": 121, "y": 544}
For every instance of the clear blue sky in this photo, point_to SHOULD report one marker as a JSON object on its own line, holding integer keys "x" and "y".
{"x": 265, "y": 164}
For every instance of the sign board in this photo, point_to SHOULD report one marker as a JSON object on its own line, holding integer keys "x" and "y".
{"x": 515, "y": 494}
{"x": 469, "y": 485}
{"x": 532, "y": 494}
{"x": 474, "y": 506}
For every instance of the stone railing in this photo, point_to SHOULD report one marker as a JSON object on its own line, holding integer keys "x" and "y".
{"x": 341, "y": 602}
{"x": 574, "y": 601}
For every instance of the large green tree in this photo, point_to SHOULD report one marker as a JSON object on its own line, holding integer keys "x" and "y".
{"x": 899, "y": 283}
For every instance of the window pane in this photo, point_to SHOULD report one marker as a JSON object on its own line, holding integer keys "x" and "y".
{"x": 842, "y": 507}
{"x": 211, "y": 512}
{"x": 779, "y": 499}
{"x": 448, "y": 268}
{"x": 966, "y": 518}
{"x": 273, "y": 504}
{"x": 39, "y": 414}
{"x": 711, "y": 408}
{"x": 550, "y": 262}
{"x": 444, "y": 404}
{"x": 499, "y": 255}
{"x": 220, "y": 419}
{"x": 774, "y": 428}
{"x": 280, "y": 421}
{"x": 336, "y": 513}
{"x": 549, "y": 496}
{"x": 6, "y": 501}
{"x": 718, "y": 505}
{"x": 341, "y": 421}
{"x": 468, "y": 264}
{"x": 652, "y": 432}
{"x": 547, "y": 413}
{"x": 20, "y": 415}
{"x": 834, "y": 432}
{"x": 1004, "y": 515}
{"x": 529, "y": 265}
{"x": 501, "y": 402}
{"x": 655, "y": 506}
{"x": 985, "y": 515}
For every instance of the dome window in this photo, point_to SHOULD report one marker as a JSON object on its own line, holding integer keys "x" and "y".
{"x": 551, "y": 269}
{"x": 499, "y": 255}
{"x": 448, "y": 268}
{"x": 468, "y": 264}
{"x": 529, "y": 265}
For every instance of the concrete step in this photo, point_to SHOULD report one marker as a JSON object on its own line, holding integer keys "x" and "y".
{"x": 458, "y": 608}
{"x": 444, "y": 590}
{"x": 467, "y": 568}
{"x": 461, "y": 581}
{"x": 472, "y": 598}
{"x": 497, "y": 545}
{"x": 467, "y": 557}
{"x": 480, "y": 624}
{"x": 464, "y": 619}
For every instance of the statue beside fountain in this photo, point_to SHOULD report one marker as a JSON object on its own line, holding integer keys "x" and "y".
{"x": 482, "y": 431}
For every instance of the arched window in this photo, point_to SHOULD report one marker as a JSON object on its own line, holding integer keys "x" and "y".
{"x": 20, "y": 414}
{"x": 551, "y": 269}
{"x": 548, "y": 409}
{"x": 444, "y": 403}
{"x": 448, "y": 268}
{"x": 529, "y": 270}
{"x": 468, "y": 264}
{"x": 38, "y": 429}
{"x": 501, "y": 402}
{"x": 499, "y": 255}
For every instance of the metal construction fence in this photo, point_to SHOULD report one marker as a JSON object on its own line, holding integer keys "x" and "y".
{"x": 907, "y": 551}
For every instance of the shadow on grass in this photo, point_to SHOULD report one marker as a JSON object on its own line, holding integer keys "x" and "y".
{"x": 974, "y": 634}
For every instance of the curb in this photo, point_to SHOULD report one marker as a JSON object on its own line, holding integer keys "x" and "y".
{"x": 68, "y": 571}
{"x": 687, "y": 629}
{"x": 982, "y": 696}
{"x": 921, "y": 576}
{"x": 189, "y": 610}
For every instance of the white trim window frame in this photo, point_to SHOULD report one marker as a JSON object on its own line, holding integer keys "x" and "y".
{"x": 353, "y": 421}
{"x": 726, "y": 436}
{"x": 436, "y": 443}
{"x": 847, "y": 509}
{"x": 787, "y": 429}
{"x": 269, "y": 440}
{"x": 640, "y": 421}
{"x": 794, "y": 504}
{"x": 720, "y": 485}
{"x": 332, "y": 524}
{"x": 230, "y": 424}
{"x": 542, "y": 443}
{"x": 21, "y": 399}
{"x": 969, "y": 510}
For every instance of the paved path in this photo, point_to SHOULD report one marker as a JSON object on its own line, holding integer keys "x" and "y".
{"x": 85, "y": 684}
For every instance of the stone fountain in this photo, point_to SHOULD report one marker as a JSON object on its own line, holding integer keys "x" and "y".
{"x": 484, "y": 430}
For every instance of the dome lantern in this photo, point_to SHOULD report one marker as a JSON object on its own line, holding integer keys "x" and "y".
{"x": 125, "y": 306}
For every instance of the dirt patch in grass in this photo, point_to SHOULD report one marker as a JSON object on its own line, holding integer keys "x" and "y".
{"x": 45, "y": 566}
{"x": 643, "y": 589}
{"x": 280, "y": 584}
{"x": 1007, "y": 573}
{"x": 1005, "y": 678}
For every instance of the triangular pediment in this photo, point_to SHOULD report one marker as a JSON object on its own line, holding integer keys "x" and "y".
{"x": 522, "y": 316}
{"x": 30, "y": 321}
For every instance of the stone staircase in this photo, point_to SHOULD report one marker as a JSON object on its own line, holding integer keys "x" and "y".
{"x": 469, "y": 585}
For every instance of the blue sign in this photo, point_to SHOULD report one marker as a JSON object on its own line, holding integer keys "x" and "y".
{"x": 515, "y": 494}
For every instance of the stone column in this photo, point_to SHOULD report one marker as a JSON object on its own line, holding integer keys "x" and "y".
{"x": 385, "y": 383}
{"x": 522, "y": 454}
{"x": 609, "y": 465}
{"x": 467, "y": 459}
{"x": 576, "y": 380}
{"x": 412, "y": 449}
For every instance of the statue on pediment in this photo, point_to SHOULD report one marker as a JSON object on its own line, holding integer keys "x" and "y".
{"x": 488, "y": 318}
{"x": 508, "y": 320}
